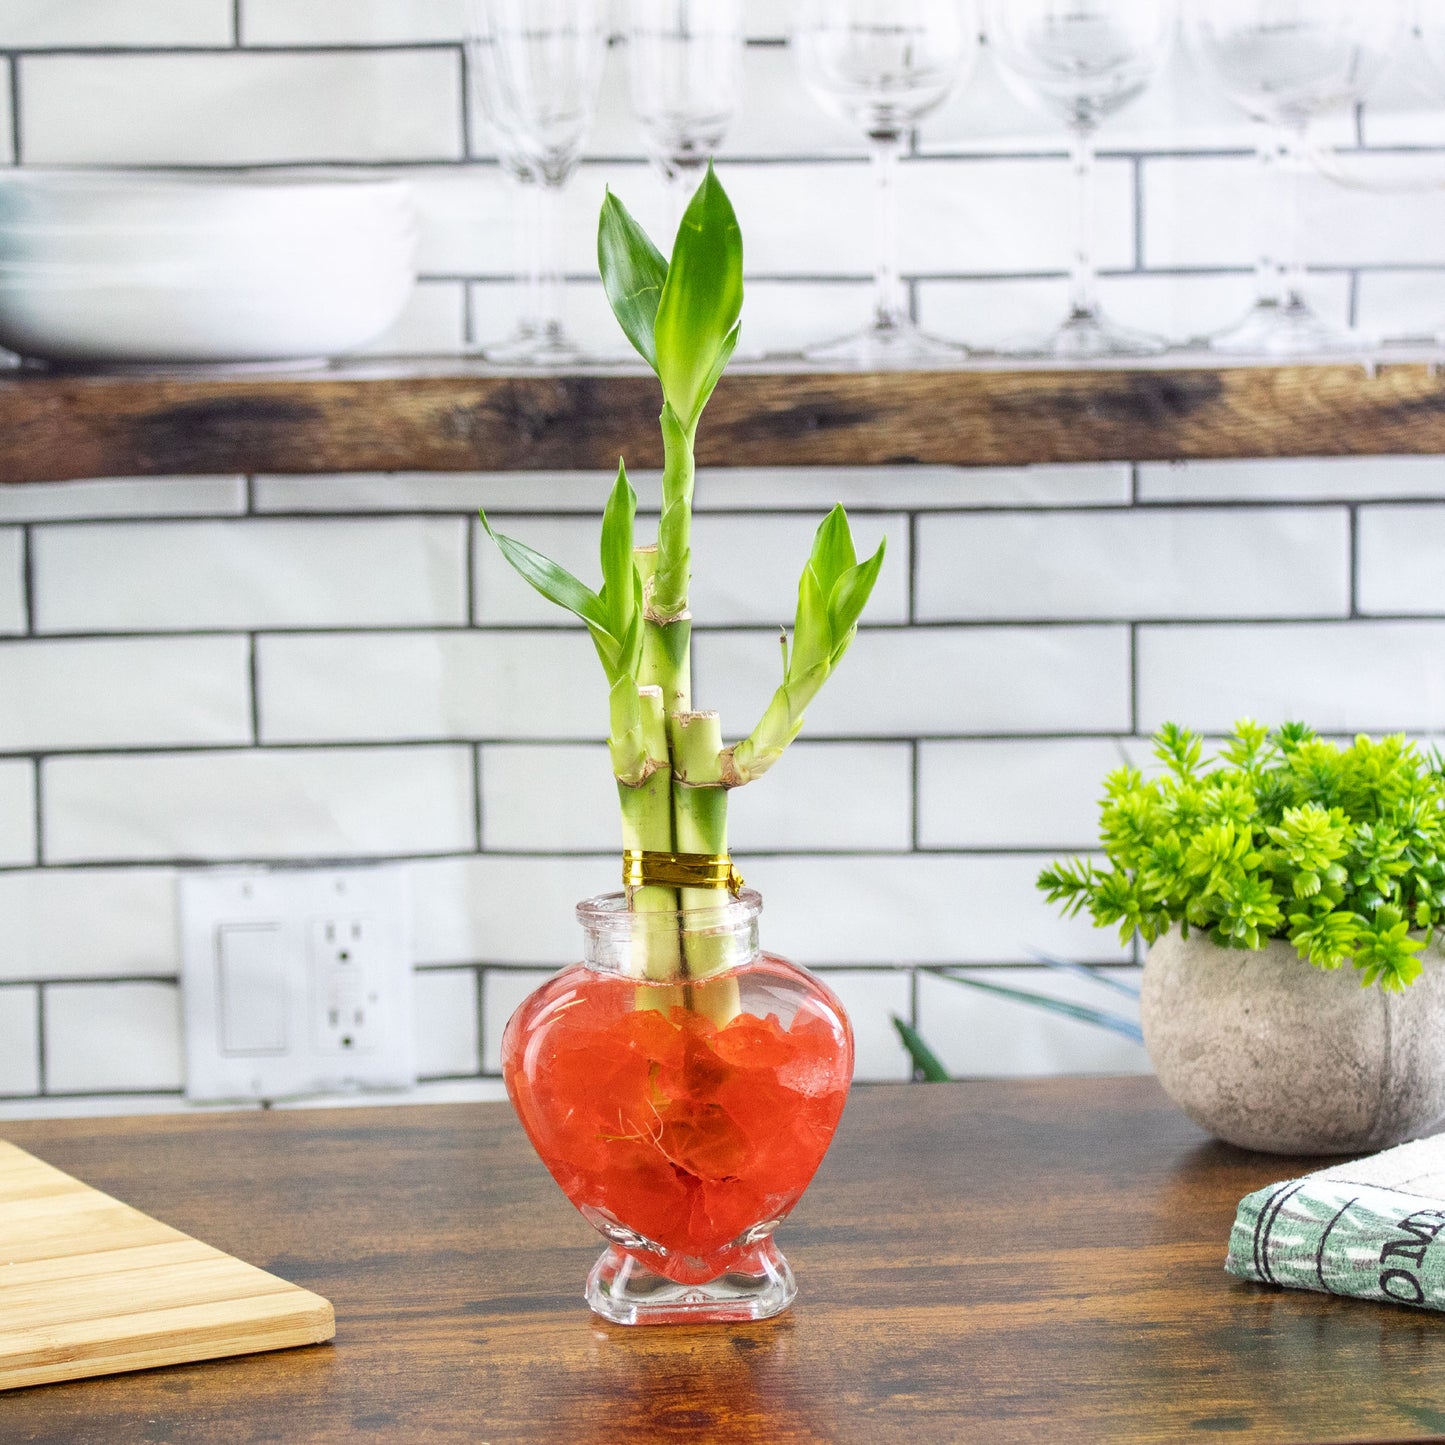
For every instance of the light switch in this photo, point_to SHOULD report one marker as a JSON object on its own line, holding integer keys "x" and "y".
{"x": 252, "y": 989}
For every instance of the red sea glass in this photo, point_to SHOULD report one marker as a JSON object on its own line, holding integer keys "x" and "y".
{"x": 683, "y": 1128}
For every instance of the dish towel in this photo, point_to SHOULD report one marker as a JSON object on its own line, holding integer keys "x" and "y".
{"x": 1374, "y": 1228}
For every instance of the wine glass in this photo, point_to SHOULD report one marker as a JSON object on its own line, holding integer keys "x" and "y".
{"x": 1285, "y": 62}
{"x": 1430, "y": 27}
{"x": 535, "y": 67}
{"x": 685, "y": 65}
{"x": 1083, "y": 59}
{"x": 882, "y": 65}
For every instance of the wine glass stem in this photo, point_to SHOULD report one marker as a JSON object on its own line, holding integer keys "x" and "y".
{"x": 1083, "y": 278}
{"x": 1292, "y": 271}
{"x": 681, "y": 183}
{"x": 1271, "y": 207}
{"x": 547, "y": 261}
{"x": 525, "y": 227}
{"x": 889, "y": 311}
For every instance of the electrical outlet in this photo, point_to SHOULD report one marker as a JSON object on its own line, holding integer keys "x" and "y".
{"x": 295, "y": 981}
{"x": 346, "y": 995}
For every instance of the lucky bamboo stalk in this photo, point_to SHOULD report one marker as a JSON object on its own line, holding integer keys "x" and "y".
{"x": 672, "y": 767}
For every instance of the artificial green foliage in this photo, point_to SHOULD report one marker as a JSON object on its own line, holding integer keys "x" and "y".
{"x": 1286, "y": 835}
{"x": 926, "y": 1064}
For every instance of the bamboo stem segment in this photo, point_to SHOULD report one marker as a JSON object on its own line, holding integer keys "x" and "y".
{"x": 647, "y": 824}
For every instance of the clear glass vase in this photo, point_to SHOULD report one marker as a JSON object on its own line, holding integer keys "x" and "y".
{"x": 682, "y": 1087}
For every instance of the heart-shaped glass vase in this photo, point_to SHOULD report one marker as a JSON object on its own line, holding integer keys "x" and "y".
{"x": 682, "y": 1088}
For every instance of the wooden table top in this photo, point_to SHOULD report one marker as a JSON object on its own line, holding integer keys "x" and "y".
{"x": 1019, "y": 1261}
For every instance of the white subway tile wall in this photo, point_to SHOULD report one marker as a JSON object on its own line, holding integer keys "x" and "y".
{"x": 112, "y": 1037}
{"x": 13, "y": 606}
{"x": 250, "y": 574}
{"x": 87, "y": 24}
{"x": 209, "y": 670}
{"x": 237, "y": 107}
{"x": 89, "y": 692}
{"x": 448, "y": 1023}
{"x": 404, "y": 698}
{"x": 19, "y": 1041}
{"x": 123, "y": 497}
{"x": 17, "y": 814}
{"x": 291, "y": 803}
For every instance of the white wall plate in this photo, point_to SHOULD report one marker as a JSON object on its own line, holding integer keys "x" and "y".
{"x": 295, "y": 981}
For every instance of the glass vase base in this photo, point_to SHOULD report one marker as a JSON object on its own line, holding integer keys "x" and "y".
{"x": 625, "y": 1291}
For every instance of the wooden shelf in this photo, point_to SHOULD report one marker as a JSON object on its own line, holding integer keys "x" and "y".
{"x": 453, "y": 415}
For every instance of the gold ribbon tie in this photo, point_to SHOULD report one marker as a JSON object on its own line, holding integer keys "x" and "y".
{"x": 642, "y": 869}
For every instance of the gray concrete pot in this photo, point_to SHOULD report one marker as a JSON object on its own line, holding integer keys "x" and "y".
{"x": 1269, "y": 1053}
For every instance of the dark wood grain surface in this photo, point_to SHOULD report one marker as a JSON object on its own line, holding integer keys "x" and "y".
{"x": 999, "y": 1262}
{"x": 456, "y": 416}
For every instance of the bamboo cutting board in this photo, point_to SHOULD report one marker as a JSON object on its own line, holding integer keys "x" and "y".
{"x": 90, "y": 1286}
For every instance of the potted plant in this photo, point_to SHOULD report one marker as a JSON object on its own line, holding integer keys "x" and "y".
{"x": 680, "y": 1085}
{"x": 1292, "y": 894}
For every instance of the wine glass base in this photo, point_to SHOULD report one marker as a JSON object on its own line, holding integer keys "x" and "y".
{"x": 1088, "y": 336}
{"x": 1292, "y": 328}
{"x": 546, "y": 347}
{"x": 887, "y": 348}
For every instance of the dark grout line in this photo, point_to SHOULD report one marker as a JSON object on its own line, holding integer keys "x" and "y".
{"x": 236, "y": 39}
{"x": 481, "y": 973}
{"x": 49, "y": 981}
{"x": 477, "y": 813}
{"x": 15, "y": 133}
{"x": 465, "y": 98}
{"x": 912, "y": 599}
{"x": 469, "y": 564}
{"x": 1354, "y": 561}
{"x": 913, "y": 997}
{"x": 38, "y": 806}
{"x": 41, "y": 1062}
{"x": 916, "y": 798}
{"x": 27, "y": 576}
{"x": 1134, "y": 679}
{"x": 1138, "y": 183}
{"x": 253, "y": 682}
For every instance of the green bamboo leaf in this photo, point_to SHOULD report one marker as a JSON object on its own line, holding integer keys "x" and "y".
{"x": 702, "y": 298}
{"x": 633, "y": 272}
{"x": 618, "y": 569}
{"x": 832, "y": 553}
{"x": 725, "y": 355}
{"x": 552, "y": 580}
{"x": 925, "y": 1061}
{"x": 629, "y": 645}
{"x": 850, "y": 596}
{"x": 812, "y": 643}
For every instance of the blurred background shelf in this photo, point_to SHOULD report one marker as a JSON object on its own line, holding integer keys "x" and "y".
{"x": 452, "y": 415}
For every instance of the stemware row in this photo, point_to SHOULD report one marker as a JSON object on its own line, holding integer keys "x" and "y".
{"x": 884, "y": 65}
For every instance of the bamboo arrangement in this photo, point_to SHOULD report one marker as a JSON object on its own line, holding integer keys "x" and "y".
{"x": 673, "y": 769}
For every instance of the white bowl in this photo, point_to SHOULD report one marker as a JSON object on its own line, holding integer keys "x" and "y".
{"x": 139, "y": 268}
{"x": 179, "y": 200}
